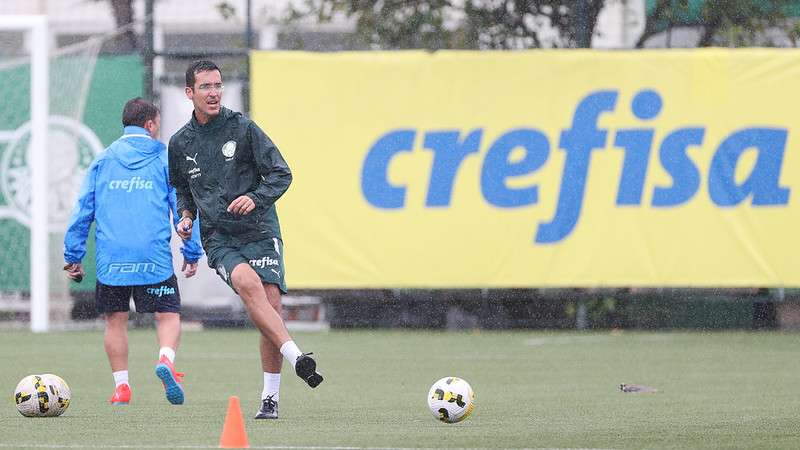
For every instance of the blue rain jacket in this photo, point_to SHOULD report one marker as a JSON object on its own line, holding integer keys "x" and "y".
{"x": 128, "y": 195}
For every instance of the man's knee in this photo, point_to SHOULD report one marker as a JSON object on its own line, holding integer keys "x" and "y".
{"x": 167, "y": 316}
{"x": 245, "y": 280}
{"x": 117, "y": 319}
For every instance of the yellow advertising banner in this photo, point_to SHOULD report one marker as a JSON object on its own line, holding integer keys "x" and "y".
{"x": 536, "y": 168}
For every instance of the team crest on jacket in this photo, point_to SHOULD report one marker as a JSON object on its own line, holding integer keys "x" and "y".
{"x": 229, "y": 149}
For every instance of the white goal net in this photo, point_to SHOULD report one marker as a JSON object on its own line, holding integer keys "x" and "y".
{"x": 41, "y": 167}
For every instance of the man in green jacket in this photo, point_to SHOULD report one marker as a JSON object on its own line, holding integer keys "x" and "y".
{"x": 225, "y": 168}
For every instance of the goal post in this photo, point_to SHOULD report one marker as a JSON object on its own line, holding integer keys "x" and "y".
{"x": 48, "y": 139}
{"x": 36, "y": 27}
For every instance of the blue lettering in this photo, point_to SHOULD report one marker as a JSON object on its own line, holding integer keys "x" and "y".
{"x": 637, "y": 143}
{"x": 646, "y": 104}
{"x": 763, "y": 181}
{"x": 685, "y": 176}
{"x": 448, "y": 155}
{"x": 523, "y": 151}
{"x": 131, "y": 267}
{"x": 497, "y": 167}
{"x": 374, "y": 175}
{"x": 578, "y": 142}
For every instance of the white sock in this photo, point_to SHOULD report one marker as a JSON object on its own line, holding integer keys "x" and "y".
{"x": 120, "y": 377}
{"x": 168, "y": 352}
{"x": 272, "y": 385}
{"x": 290, "y": 351}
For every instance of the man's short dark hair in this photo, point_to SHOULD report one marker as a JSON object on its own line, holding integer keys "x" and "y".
{"x": 196, "y": 67}
{"x": 138, "y": 111}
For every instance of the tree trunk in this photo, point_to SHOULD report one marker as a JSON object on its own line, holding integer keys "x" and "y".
{"x": 126, "y": 41}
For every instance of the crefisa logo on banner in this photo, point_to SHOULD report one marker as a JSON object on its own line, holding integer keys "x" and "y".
{"x": 450, "y": 148}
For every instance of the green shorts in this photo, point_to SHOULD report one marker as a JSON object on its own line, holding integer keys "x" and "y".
{"x": 265, "y": 257}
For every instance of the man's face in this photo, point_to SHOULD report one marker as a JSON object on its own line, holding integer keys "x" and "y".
{"x": 206, "y": 94}
{"x": 153, "y": 127}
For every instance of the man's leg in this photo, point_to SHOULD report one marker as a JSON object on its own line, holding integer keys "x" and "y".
{"x": 254, "y": 297}
{"x": 248, "y": 284}
{"x": 271, "y": 361}
{"x": 115, "y": 341}
{"x": 166, "y": 305}
{"x": 168, "y": 331}
{"x": 271, "y": 358}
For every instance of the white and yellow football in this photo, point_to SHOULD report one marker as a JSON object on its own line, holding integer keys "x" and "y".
{"x": 451, "y": 399}
{"x": 42, "y": 396}
{"x": 60, "y": 394}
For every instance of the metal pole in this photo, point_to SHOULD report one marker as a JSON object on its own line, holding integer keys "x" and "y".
{"x": 248, "y": 39}
{"x": 38, "y": 162}
{"x": 148, "y": 52}
{"x": 249, "y": 26}
{"x": 582, "y": 315}
{"x": 670, "y": 23}
{"x": 583, "y": 36}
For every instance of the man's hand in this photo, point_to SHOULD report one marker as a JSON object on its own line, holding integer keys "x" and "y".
{"x": 184, "y": 228}
{"x": 75, "y": 271}
{"x": 242, "y": 206}
{"x": 189, "y": 269}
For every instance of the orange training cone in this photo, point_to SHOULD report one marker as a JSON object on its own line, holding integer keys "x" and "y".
{"x": 233, "y": 433}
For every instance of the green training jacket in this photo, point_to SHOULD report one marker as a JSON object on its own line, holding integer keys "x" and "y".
{"x": 210, "y": 165}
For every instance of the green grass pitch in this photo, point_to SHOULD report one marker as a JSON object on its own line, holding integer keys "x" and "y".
{"x": 533, "y": 390}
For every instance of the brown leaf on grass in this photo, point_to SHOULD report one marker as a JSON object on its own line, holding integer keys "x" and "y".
{"x": 637, "y": 388}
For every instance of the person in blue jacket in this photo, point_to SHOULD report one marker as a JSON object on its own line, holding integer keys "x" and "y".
{"x": 128, "y": 196}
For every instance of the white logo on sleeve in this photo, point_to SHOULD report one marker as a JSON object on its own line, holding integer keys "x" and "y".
{"x": 228, "y": 150}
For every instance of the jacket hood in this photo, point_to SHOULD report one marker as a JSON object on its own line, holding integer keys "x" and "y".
{"x": 135, "y": 148}
{"x": 224, "y": 115}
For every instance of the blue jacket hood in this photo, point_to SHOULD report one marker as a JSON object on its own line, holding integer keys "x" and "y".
{"x": 135, "y": 149}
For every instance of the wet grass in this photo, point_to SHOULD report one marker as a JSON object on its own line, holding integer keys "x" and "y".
{"x": 533, "y": 390}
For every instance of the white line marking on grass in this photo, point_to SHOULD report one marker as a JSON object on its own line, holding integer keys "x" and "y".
{"x": 270, "y": 447}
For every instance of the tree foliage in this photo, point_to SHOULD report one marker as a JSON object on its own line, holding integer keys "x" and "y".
{"x": 459, "y": 24}
{"x": 513, "y": 24}
{"x": 733, "y": 23}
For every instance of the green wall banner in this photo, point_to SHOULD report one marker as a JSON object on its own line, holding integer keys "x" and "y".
{"x": 86, "y": 100}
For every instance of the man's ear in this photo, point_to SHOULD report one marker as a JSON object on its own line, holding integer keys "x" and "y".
{"x": 189, "y": 92}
